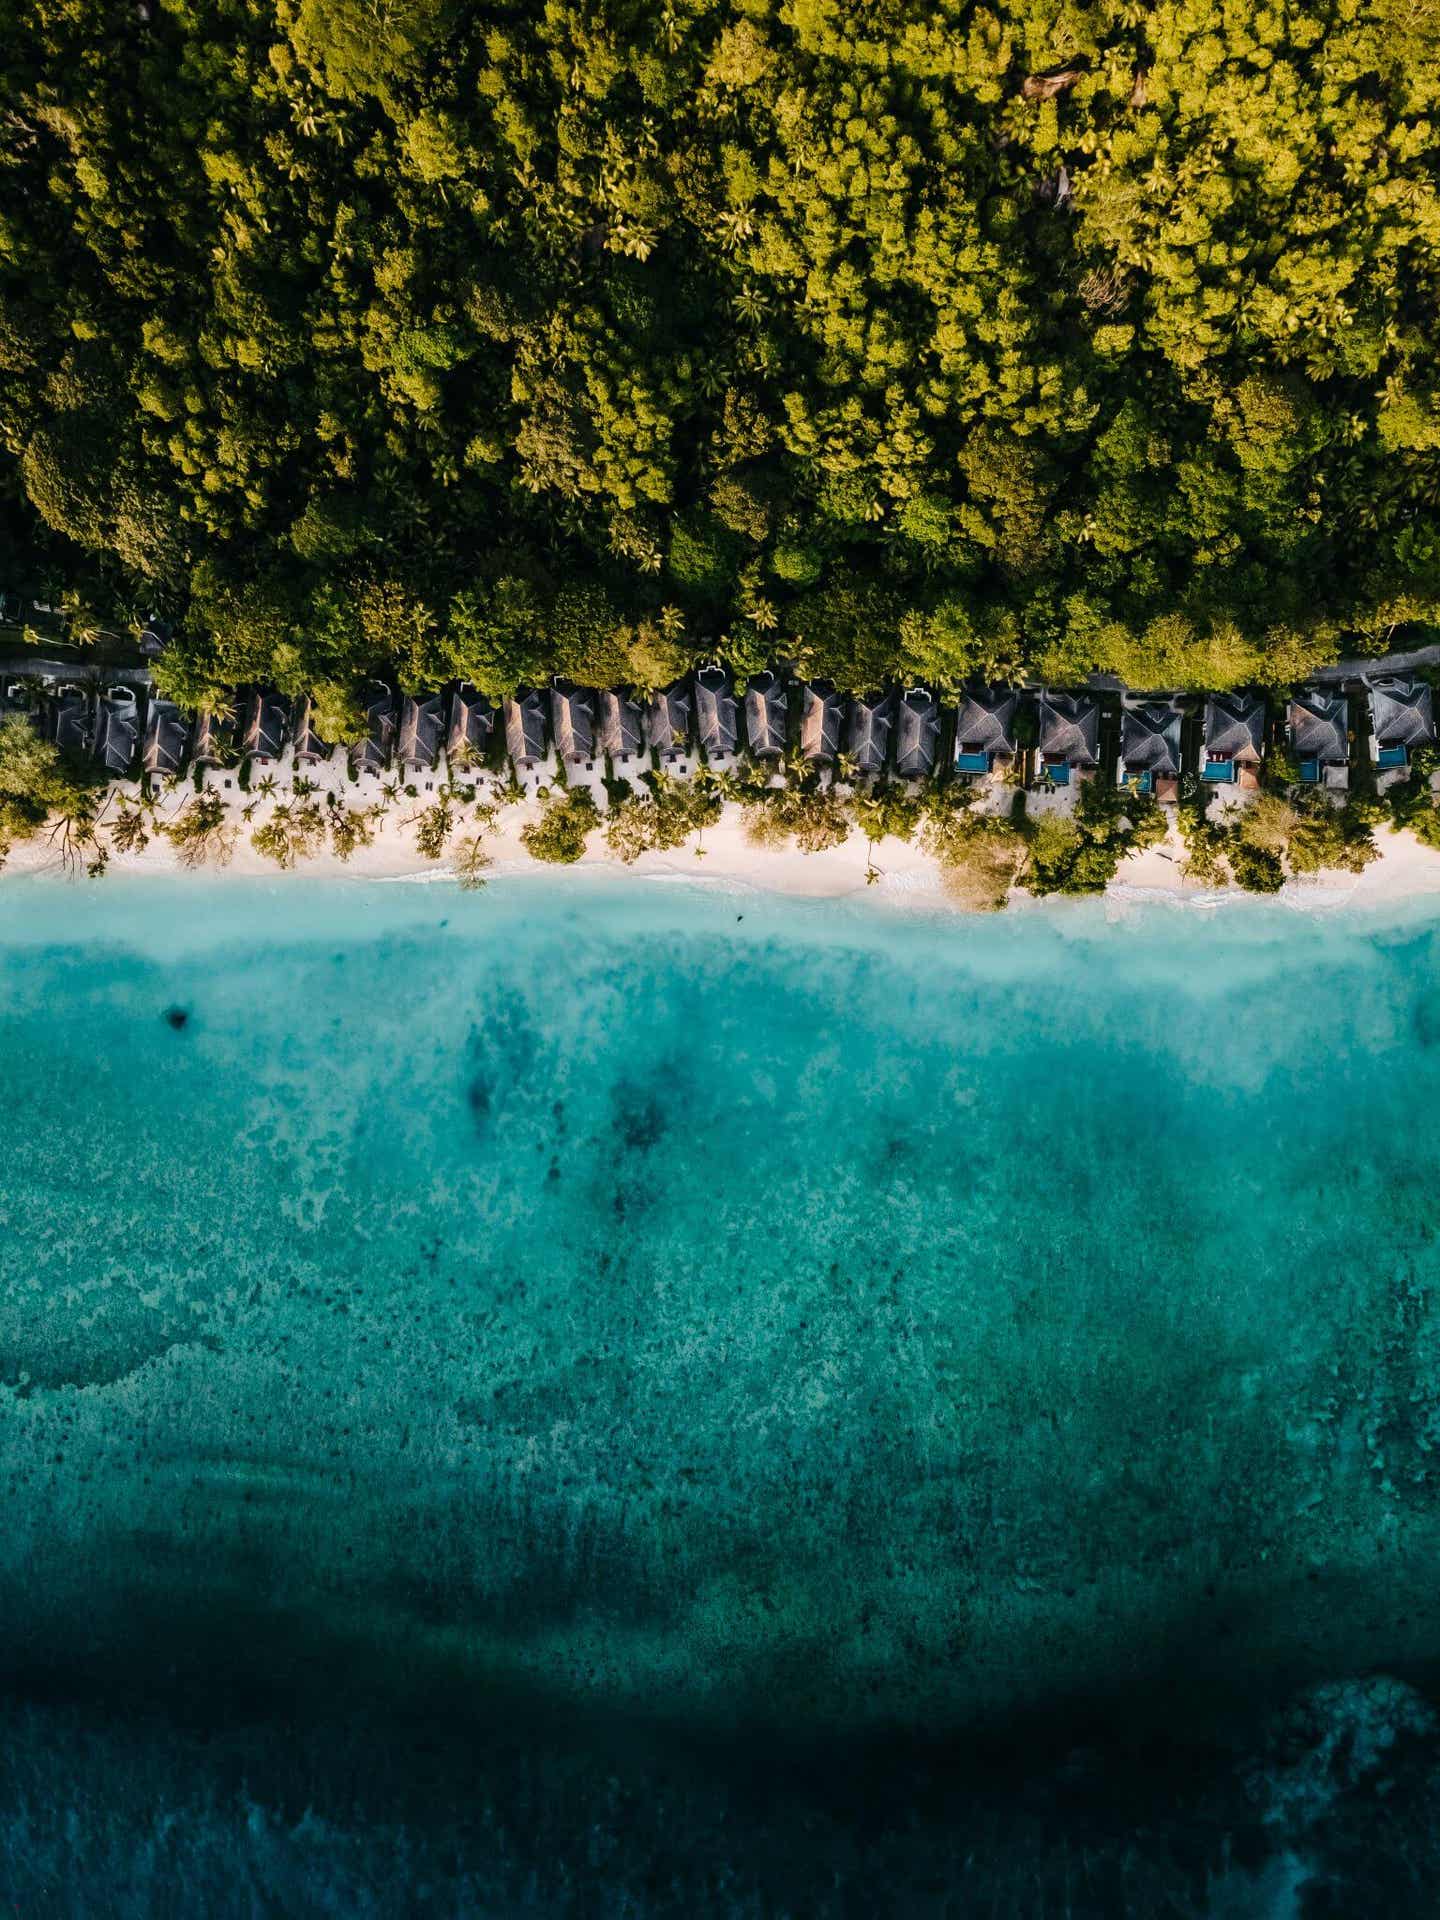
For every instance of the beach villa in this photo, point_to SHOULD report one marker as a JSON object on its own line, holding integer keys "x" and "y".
{"x": 1234, "y": 739}
{"x": 985, "y": 740}
{"x": 167, "y": 737}
{"x": 1150, "y": 746}
{"x": 525, "y": 730}
{"x": 917, "y": 734}
{"x": 421, "y": 727}
{"x": 212, "y": 738}
{"x": 622, "y": 727}
{"x": 117, "y": 731}
{"x": 1317, "y": 726}
{"x": 820, "y": 716}
{"x": 868, "y": 730}
{"x": 468, "y": 729}
{"x": 1067, "y": 746}
{"x": 572, "y": 723}
{"x": 372, "y": 755}
{"x": 262, "y": 731}
{"x": 716, "y": 719}
{"x": 307, "y": 749}
{"x": 667, "y": 721}
{"x": 1402, "y": 718}
{"x": 67, "y": 718}
{"x": 765, "y": 717}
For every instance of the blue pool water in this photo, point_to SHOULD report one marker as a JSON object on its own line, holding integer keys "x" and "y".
{"x": 625, "y": 1301}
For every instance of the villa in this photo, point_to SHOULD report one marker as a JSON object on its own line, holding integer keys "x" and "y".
{"x": 716, "y": 719}
{"x": 471, "y": 723}
{"x": 525, "y": 729}
{"x": 867, "y": 734}
{"x": 1403, "y": 718}
{"x": 622, "y": 727}
{"x": 308, "y": 748}
{"x": 372, "y": 755}
{"x": 1234, "y": 739}
{"x": 572, "y": 723}
{"x": 262, "y": 734}
{"x": 985, "y": 730}
{"x": 820, "y": 718}
{"x": 667, "y": 723}
{"x": 67, "y": 718}
{"x": 1150, "y": 746}
{"x": 212, "y": 738}
{"x": 765, "y": 717}
{"x": 917, "y": 734}
{"x": 1317, "y": 724}
{"x": 117, "y": 731}
{"x": 167, "y": 736}
{"x": 421, "y": 728}
{"x": 1068, "y": 742}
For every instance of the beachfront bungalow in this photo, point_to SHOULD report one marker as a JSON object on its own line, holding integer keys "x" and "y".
{"x": 470, "y": 725}
{"x": 572, "y": 722}
{"x": 422, "y": 724}
{"x": 1150, "y": 746}
{"x": 68, "y": 721}
{"x": 1067, "y": 745}
{"x": 308, "y": 749}
{"x": 985, "y": 730}
{"x": 917, "y": 734}
{"x": 1234, "y": 739}
{"x": 765, "y": 717}
{"x": 20, "y": 699}
{"x": 667, "y": 721}
{"x": 167, "y": 738}
{"x": 867, "y": 731}
{"x": 262, "y": 727}
{"x": 212, "y": 746}
{"x": 117, "y": 731}
{"x": 371, "y": 754}
{"x": 821, "y": 713}
{"x": 716, "y": 718}
{"x": 1317, "y": 725}
{"x": 525, "y": 729}
{"x": 1402, "y": 718}
{"x": 621, "y": 727}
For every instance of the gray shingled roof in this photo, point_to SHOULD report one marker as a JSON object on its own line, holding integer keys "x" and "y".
{"x": 667, "y": 723}
{"x": 917, "y": 734}
{"x": 622, "y": 725}
{"x": 525, "y": 728}
{"x": 716, "y": 719}
{"x": 868, "y": 729}
{"x": 167, "y": 735}
{"x": 986, "y": 722}
{"x": 1318, "y": 721}
{"x": 1150, "y": 737}
{"x": 372, "y": 755}
{"x": 1235, "y": 727}
{"x": 68, "y": 718}
{"x": 117, "y": 731}
{"x": 572, "y": 722}
{"x": 212, "y": 738}
{"x": 821, "y": 713}
{"x": 421, "y": 725}
{"x": 307, "y": 743}
{"x": 765, "y": 716}
{"x": 1404, "y": 713}
{"x": 262, "y": 734}
{"x": 1069, "y": 729}
{"x": 471, "y": 722}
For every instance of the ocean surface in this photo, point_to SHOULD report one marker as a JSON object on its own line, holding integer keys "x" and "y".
{"x": 605, "y": 1397}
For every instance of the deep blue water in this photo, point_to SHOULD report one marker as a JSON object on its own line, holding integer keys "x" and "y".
{"x": 509, "y": 1372}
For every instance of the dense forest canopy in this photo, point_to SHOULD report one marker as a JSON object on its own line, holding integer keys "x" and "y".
{"x": 927, "y": 339}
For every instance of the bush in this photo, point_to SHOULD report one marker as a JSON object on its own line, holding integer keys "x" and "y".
{"x": 560, "y": 834}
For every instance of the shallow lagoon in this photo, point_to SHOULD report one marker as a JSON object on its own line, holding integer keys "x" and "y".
{"x": 636, "y": 1319}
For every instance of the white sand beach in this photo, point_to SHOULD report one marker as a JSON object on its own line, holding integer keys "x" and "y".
{"x": 890, "y": 873}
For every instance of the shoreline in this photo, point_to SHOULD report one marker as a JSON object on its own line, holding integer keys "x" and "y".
{"x": 907, "y": 878}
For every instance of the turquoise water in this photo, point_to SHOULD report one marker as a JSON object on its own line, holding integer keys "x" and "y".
{"x": 636, "y": 1320}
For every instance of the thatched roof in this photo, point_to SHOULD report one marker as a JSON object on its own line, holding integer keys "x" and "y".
{"x": 822, "y": 711}
{"x": 262, "y": 727}
{"x": 622, "y": 725}
{"x": 868, "y": 729}
{"x": 525, "y": 728}
{"x": 421, "y": 725}
{"x": 372, "y": 755}
{"x": 667, "y": 722}
{"x": 572, "y": 721}
{"x": 716, "y": 717}
{"x": 472, "y": 720}
{"x": 308, "y": 745}
{"x": 765, "y": 716}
